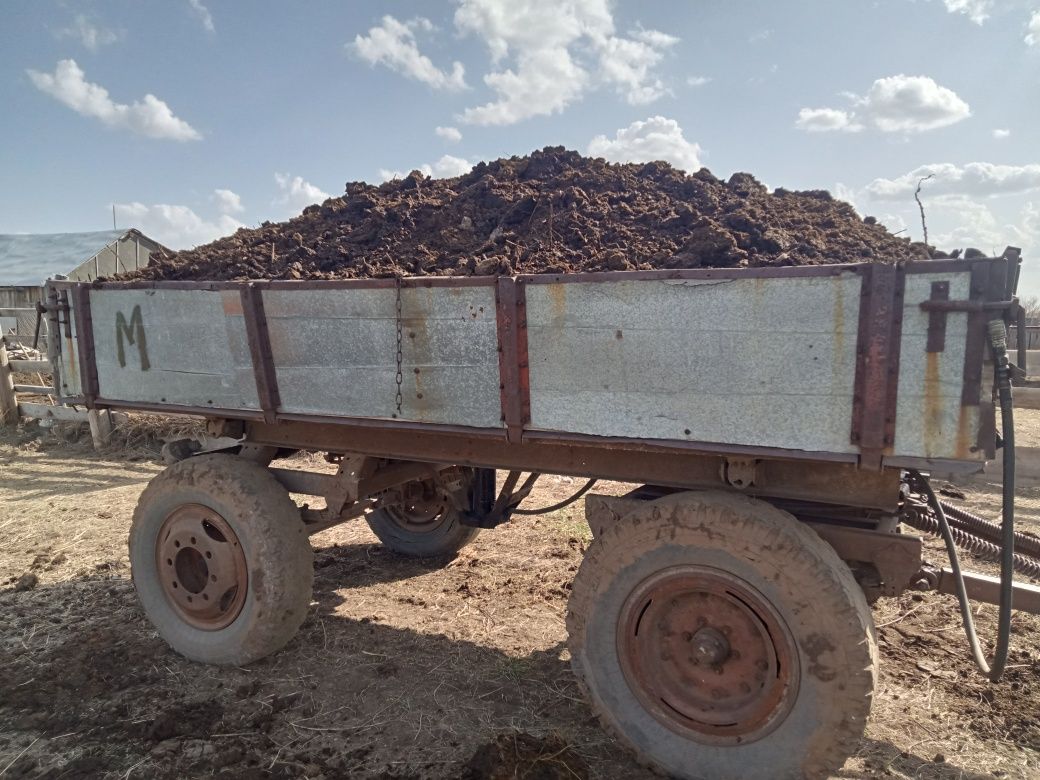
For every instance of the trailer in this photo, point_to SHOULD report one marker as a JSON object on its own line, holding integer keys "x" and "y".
{"x": 780, "y": 424}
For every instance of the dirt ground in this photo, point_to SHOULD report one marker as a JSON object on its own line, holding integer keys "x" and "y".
{"x": 407, "y": 669}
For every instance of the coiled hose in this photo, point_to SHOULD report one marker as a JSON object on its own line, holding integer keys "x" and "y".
{"x": 969, "y": 541}
{"x": 992, "y": 532}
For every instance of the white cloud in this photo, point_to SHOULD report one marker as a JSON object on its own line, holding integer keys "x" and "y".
{"x": 976, "y": 10}
{"x": 545, "y": 82}
{"x": 178, "y": 227}
{"x": 392, "y": 43}
{"x": 912, "y": 104}
{"x": 90, "y": 35}
{"x": 446, "y": 167}
{"x": 148, "y": 116}
{"x": 629, "y": 64}
{"x": 822, "y": 120}
{"x": 846, "y": 193}
{"x": 760, "y": 36}
{"x": 1033, "y": 30}
{"x": 896, "y": 104}
{"x": 964, "y": 222}
{"x": 450, "y": 134}
{"x": 656, "y": 138}
{"x": 977, "y": 179}
{"x": 296, "y": 193}
{"x": 655, "y": 38}
{"x": 697, "y": 81}
{"x": 1001, "y": 133}
{"x": 228, "y": 202}
{"x": 205, "y": 17}
{"x": 556, "y": 52}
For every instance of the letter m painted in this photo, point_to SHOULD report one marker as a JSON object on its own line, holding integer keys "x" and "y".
{"x": 133, "y": 333}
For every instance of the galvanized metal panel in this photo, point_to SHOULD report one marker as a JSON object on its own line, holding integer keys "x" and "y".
{"x": 195, "y": 351}
{"x": 335, "y": 353}
{"x": 930, "y": 421}
{"x": 768, "y": 362}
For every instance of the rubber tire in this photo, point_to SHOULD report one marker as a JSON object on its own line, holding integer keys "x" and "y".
{"x": 445, "y": 541}
{"x": 277, "y": 550}
{"x": 810, "y": 587}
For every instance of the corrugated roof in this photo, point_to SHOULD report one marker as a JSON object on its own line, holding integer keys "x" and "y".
{"x": 33, "y": 258}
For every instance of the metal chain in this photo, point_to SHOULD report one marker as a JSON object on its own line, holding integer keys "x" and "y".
{"x": 400, "y": 375}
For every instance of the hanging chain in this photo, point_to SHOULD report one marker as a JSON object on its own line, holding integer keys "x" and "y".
{"x": 399, "y": 378}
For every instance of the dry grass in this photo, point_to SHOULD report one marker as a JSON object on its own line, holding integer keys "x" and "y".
{"x": 404, "y": 667}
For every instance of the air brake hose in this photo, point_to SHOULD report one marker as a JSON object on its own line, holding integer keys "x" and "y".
{"x": 566, "y": 502}
{"x": 998, "y": 340}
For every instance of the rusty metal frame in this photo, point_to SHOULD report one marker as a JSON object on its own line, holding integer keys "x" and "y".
{"x": 624, "y": 460}
{"x": 514, "y": 381}
{"x": 85, "y": 335}
{"x": 937, "y": 318}
{"x": 984, "y": 588}
{"x": 259, "y": 341}
{"x": 875, "y": 389}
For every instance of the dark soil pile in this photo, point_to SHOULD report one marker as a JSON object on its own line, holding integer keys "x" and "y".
{"x": 552, "y": 211}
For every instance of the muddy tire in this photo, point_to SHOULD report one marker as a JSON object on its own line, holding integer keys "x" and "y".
{"x": 718, "y": 637}
{"x": 221, "y": 560}
{"x": 441, "y": 536}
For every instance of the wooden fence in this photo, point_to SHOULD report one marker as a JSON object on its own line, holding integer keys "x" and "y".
{"x": 13, "y": 409}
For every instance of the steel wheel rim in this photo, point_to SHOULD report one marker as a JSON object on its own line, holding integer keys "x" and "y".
{"x": 707, "y": 656}
{"x": 422, "y": 515}
{"x": 202, "y": 567}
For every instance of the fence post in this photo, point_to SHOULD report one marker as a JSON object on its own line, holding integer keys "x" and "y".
{"x": 100, "y": 422}
{"x": 8, "y": 402}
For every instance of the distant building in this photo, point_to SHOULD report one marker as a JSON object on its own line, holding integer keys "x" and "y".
{"x": 28, "y": 260}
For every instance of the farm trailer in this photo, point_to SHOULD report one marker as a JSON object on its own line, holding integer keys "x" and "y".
{"x": 779, "y": 420}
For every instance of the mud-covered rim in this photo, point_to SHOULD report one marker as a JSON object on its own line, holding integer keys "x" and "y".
{"x": 707, "y": 655}
{"x": 422, "y": 515}
{"x": 201, "y": 567}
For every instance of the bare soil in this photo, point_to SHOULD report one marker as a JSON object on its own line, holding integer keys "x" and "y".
{"x": 408, "y": 669}
{"x": 552, "y": 211}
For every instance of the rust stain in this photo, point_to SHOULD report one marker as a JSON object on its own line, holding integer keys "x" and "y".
{"x": 932, "y": 412}
{"x": 558, "y": 302}
{"x": 964, "y": 435}
{"x": 70, "y": 364}
{"x": 232, "y": 303}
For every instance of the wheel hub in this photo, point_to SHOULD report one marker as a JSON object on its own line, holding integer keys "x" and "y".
{"x": 202, "y": 567}
{"x": 420, "y": 509}
{"x": 707, "y": 656}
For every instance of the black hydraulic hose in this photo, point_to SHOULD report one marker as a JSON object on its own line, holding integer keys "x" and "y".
{"x": 992, "y": 532}
{"x": 966, "y": 540}
{"x": 994, "y": 669}
{"x": 998, "y": 339}
{"x": 566, "y": 502}
{"x": 962, "y": 595}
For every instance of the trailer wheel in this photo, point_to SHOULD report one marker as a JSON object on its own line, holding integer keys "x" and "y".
{"x": 720, "y": 638}
{"x": 423, "y": 522}
{"x": 221, "y": 560}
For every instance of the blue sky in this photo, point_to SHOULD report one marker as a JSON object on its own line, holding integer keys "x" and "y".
{"x": 195, "y": 116}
